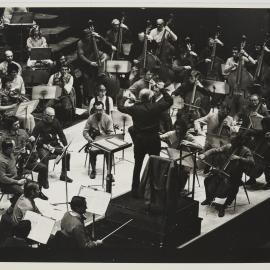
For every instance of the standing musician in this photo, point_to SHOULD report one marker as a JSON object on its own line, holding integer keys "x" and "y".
{"x": 204, "y": 64}
{"x": 163, "y": 34}
{"x": 25, "y": 155}
{"x": 92, "y": 64}
{"x": 97, "y": 124}
{"x": 144, "y": 132}
{"x": 239, "y": 79}
{"x": 63, "y": 105}
{"x": 47, "y": 132}
{"x": 234, "y": 159}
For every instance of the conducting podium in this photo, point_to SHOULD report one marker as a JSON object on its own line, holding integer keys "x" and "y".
{"x": 110, "y": 145}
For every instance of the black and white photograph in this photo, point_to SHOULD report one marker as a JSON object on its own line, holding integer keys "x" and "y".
{"x": 135, "y": 132}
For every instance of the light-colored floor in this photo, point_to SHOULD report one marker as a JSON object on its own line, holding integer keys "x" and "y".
{"x": 123, "y": 177}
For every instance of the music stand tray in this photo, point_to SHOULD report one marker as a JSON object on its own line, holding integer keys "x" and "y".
{"x": 46, "y": 92}
{"x": 39, "y": 54}
{"x": 22, "y": 18}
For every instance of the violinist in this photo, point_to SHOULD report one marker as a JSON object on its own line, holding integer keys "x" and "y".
{"x": 24, "y": 153}
{"x": 236, "y": 158}
{"x": 47, "y": 132}
{"x": 9, "y": 99}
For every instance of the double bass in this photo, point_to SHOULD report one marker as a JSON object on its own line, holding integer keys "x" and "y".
{"x": 214, "y": 67}
{"x": 240, "y": 79}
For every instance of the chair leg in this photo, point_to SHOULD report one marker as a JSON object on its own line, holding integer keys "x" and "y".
{"x": 103, "y": 170}
{"x": 245, "y": 189}
{"x": 113, "y": 160}
{"x": 86, "y": 156}
{"x": 234, "y": 206}
{"x": 2, "y": 196}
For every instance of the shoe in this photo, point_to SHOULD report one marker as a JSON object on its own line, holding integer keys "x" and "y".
{"x": 42, "y": 196}
{"x": 45, "y": 185}
{"x": 221, "y": 212}
{"x": 206, "y": 202}
{"x": 110, "y": 177}
{"x": 251, "y": 181}
{"x": 93, "y": 174}
{"x": 65, "y": 178}
{"x": 266, "y": 186}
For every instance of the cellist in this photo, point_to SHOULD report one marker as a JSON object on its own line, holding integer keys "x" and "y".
{"x": 237, "y": 157}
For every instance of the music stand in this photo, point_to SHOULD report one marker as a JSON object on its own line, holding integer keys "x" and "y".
{"x": 39, "y": 54}
{"x": 57, "y": 160}
{"x": 122, "y": 121}
{"x": 46, "y": 92}
{"x": 22, "y": 19}
{"x": 97, "y": 202}
{"x": 118, "y": 66}
{"x": 217, "y": 87}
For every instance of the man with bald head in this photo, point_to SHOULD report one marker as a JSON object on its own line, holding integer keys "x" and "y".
{"x": 8, "y": 60}
{"x": 146, "y": 115}
{"x": 50, "y": 133}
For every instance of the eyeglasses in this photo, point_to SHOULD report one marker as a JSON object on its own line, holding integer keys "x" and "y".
{"x": 51, "y": 116}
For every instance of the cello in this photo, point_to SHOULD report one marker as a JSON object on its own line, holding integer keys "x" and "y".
{"x": 120, "y": 37}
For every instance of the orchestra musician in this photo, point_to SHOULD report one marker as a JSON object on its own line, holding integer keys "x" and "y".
{"x": 24, "y": 159}
{"x": 144, "y": 132}
{"x": 98, "y": 124}
{"x": 47, "y": 132}
{"x": 235, "y": 158}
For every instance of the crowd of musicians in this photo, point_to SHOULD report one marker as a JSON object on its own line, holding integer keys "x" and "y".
{"x": 174, "y": 92}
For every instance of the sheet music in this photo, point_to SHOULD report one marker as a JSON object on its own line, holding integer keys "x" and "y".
{"x": 97, "y": 201}
{"x": 117, "y": 141}
{"x": 104, "y": 143}
{"x": 26, "y": 107}
{"x": 41, "y": 227}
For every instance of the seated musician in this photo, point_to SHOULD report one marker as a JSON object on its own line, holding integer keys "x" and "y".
{"x": 236, "y": 158}
{"x": 36, "y": 40}
{"x": 9, "y": 180}
{"x": 218, "y": 123}
{"x": 72, "y": 225}
{"x": 137, "y": 86}
{"x": 47, "y": 132}
{"x": 102, "y": 97}
{"x": 64, "y": 107}
{"x": 254, "y": 107}
{"x": 98, "y": 124}
{"x": 17, "y": 82}
{"x": 25, "y": 157}
{"x": 8, "y": 60}
{"x": 26, "y": 202}
{"x": 9, "y": 100}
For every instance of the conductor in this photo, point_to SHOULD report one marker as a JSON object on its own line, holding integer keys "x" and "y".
{"x": 146, "y": 116}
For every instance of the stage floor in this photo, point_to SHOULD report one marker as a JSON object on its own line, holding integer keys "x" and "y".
{"x": 122, "y": 184}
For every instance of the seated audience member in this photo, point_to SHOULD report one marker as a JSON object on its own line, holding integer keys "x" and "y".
{"x": 9, "y": 182}
{"x": 72, "y": 225}
{"x": 98, "y": 124}
{"x": 8, "y": 60}
{"x": 36, "y": 40}
{"x": 26, "y": 157}
{"x": 102, "y": 97}
{"x": 19, "y": 237}
{"x": 48, "y": 131}
{"x": 64, "y": 106}
{"x": 26, "y": 202}
{"x": 9, "y": 100}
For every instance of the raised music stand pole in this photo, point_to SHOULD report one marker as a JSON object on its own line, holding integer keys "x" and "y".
{"x": 109, "y": 173}
{"x": 93, "y": 227}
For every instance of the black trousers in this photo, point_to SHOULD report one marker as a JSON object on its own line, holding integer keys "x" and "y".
{"x": 143, "y": 144}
